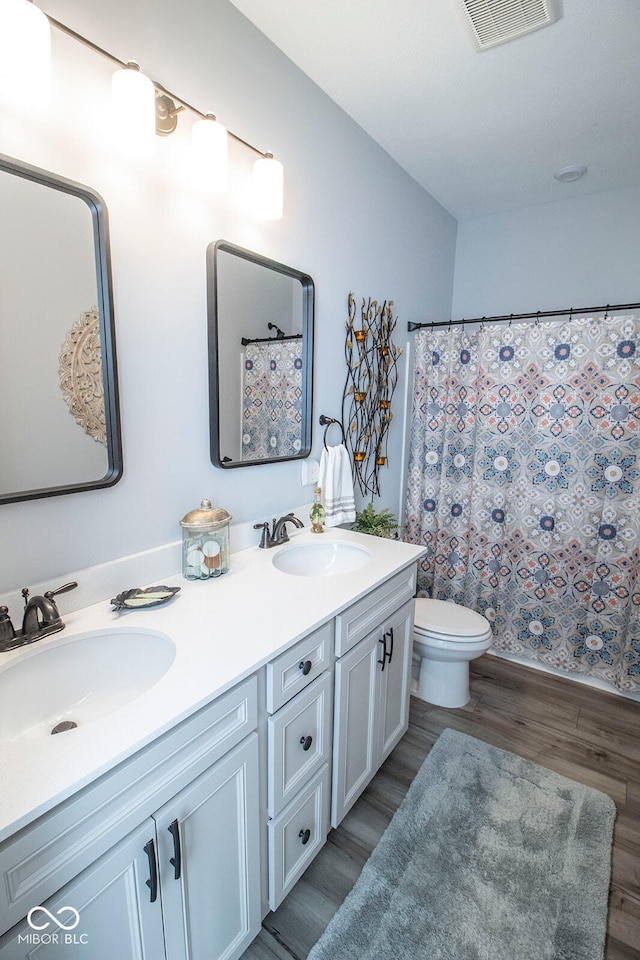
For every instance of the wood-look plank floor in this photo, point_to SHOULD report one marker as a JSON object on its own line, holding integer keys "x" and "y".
{"x": 583, "y": 733}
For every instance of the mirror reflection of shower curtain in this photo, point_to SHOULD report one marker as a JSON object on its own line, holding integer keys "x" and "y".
{"x": 524, "y": 486}
{"x": 272, "y": 399}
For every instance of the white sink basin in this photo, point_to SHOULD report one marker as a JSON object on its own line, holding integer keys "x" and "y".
{"x": 79, "y": 680}
{"x": 326, "y": 558}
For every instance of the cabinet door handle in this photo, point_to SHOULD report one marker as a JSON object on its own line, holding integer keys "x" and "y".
{"x": 306, "y": 742}
{"x": 152, "y": 882}
{"x": 304, "y": 836}
{"x": 176, "y": 859}
{"x": 390, "y": 654}
{"x": 383, "y": 641}
{"x": 305, "y": 666}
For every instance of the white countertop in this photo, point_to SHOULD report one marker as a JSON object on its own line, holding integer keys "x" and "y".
{"x": 223, "y": 629}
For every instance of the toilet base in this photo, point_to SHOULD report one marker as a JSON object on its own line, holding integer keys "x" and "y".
{"x": 444, "y": 683}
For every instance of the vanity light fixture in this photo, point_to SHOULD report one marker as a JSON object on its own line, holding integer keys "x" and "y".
{"x": 133, "y": 107}
{"x": 25, "y": 54}
{"x": 141, "y": 107}
{"x": 210, "y": 154}
{"x": 268, "y": 181}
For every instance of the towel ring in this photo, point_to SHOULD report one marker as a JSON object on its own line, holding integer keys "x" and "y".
{"x": 326, "y": 422}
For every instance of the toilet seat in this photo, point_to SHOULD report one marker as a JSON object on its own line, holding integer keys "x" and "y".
{"x": 443, "y": 620}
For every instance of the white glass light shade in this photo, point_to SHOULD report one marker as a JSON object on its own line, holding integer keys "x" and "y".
{"x": 210, "y": 155}
{"x": 25, "y": 54}
{"x": 268, "y": 188}
{"x": 133, "y": 105}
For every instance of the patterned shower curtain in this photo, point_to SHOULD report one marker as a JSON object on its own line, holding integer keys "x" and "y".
{"x": 524, "y": 486}
{"x": 272, "y": 399}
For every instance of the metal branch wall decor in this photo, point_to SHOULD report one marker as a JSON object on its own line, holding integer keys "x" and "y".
{"x": 372, "y": 377}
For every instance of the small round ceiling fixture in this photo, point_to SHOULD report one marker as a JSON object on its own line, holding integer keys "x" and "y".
{"x": 573, "y": 172}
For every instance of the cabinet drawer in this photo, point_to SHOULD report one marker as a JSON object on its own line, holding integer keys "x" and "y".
{"x": 296, "y": 835}
{"x": 369, "y": 612}
{"x": 38, "y": 860}
{"x": 290, "y": 673}
{"x": 299, "y": 742}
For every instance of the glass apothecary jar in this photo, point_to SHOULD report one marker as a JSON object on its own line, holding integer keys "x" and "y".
{"x": 205, "y": 542}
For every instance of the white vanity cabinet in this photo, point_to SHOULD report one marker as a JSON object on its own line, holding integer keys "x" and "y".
{"x": 299, "y": 699}
{"x": 172, "y": 848}
{"x": 373, "y": 645}
{"x": 185, "y": 882}
{"x": 117, "y": 918}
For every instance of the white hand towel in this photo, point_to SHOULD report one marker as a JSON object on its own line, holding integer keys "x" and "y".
{"x": 337, "y": 486}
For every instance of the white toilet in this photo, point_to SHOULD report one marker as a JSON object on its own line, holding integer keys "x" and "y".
{"x": 446, "y": 637}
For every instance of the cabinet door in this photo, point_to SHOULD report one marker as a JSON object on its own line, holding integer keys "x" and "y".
{"x": 354, "y": 737}
{"x": 211, "y": 890}
{"x": 116, "y": 916}
{"x": 393, "y": 681}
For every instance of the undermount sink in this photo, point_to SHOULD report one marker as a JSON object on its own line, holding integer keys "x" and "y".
{"x": 326, "y": 558}
{"x": 74, "y": 682}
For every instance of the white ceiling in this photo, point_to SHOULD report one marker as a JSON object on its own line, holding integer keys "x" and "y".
{"x": 483, "y": 132}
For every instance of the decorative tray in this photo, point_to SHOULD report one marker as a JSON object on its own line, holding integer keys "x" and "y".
{"x": 136, "y": 599}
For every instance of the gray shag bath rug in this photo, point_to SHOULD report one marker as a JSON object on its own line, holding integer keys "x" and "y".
{"x": 489, "y": 857}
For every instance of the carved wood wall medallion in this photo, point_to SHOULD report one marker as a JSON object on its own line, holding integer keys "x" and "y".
{"x": 80, "y": 374}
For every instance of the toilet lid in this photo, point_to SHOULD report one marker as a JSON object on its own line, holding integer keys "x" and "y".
{"x": 442, "y": 617}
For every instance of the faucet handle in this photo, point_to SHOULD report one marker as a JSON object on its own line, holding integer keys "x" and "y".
{"x": 7, "y": 632}
{"x": 264, "y": 539}
{"x": 50, "y": 594}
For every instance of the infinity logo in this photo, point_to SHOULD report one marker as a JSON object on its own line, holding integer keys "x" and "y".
{"x": 63, "y": 926}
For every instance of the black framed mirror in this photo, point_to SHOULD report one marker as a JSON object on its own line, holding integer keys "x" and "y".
{"x": 260, "y": 315}
{"x": 59, "y": 415}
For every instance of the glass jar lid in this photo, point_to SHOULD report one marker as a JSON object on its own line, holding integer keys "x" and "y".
{"x": 206, "y": 516}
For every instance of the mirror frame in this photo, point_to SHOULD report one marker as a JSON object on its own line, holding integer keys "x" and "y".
{"x": 104, "y": 293}
{"x": 308, "y": 306}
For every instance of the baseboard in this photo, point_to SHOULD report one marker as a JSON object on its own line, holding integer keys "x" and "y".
{"x": 577, "y": 677}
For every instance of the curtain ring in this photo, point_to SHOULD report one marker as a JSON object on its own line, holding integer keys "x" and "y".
{"x": 537, "y": 319}
{"x": 510, "y": 319}
{"x": 570, "y": 314}
{"x": 606, "y": 312}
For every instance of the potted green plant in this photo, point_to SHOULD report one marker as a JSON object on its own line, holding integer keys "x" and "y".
{"x": 377, "y": 523}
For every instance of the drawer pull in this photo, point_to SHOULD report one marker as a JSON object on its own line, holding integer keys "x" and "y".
{"x": 305, "y": 666}
{"x": 306, "y": 742}
{"x": 152, "y": 882}
{"x": 304, "y": 836}
{"x": 176, "y": 859}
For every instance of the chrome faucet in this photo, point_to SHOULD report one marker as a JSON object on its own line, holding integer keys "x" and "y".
{"x": 41, "y": 618}
{"x": 278, "y": 533}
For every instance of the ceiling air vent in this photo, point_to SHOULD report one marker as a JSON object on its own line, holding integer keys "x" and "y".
{"x": 496, "y": 21}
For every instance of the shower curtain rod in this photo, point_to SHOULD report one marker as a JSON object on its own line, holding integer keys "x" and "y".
{"x": 245, "y": 341}
{"x": 608, "y": 308}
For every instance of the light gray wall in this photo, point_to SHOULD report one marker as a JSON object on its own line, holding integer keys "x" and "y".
{"x": 353, "y": 220}
{"x": 580, "y": 252}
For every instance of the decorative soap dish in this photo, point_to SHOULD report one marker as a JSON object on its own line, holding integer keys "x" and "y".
{"x": 136, "y": 599}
